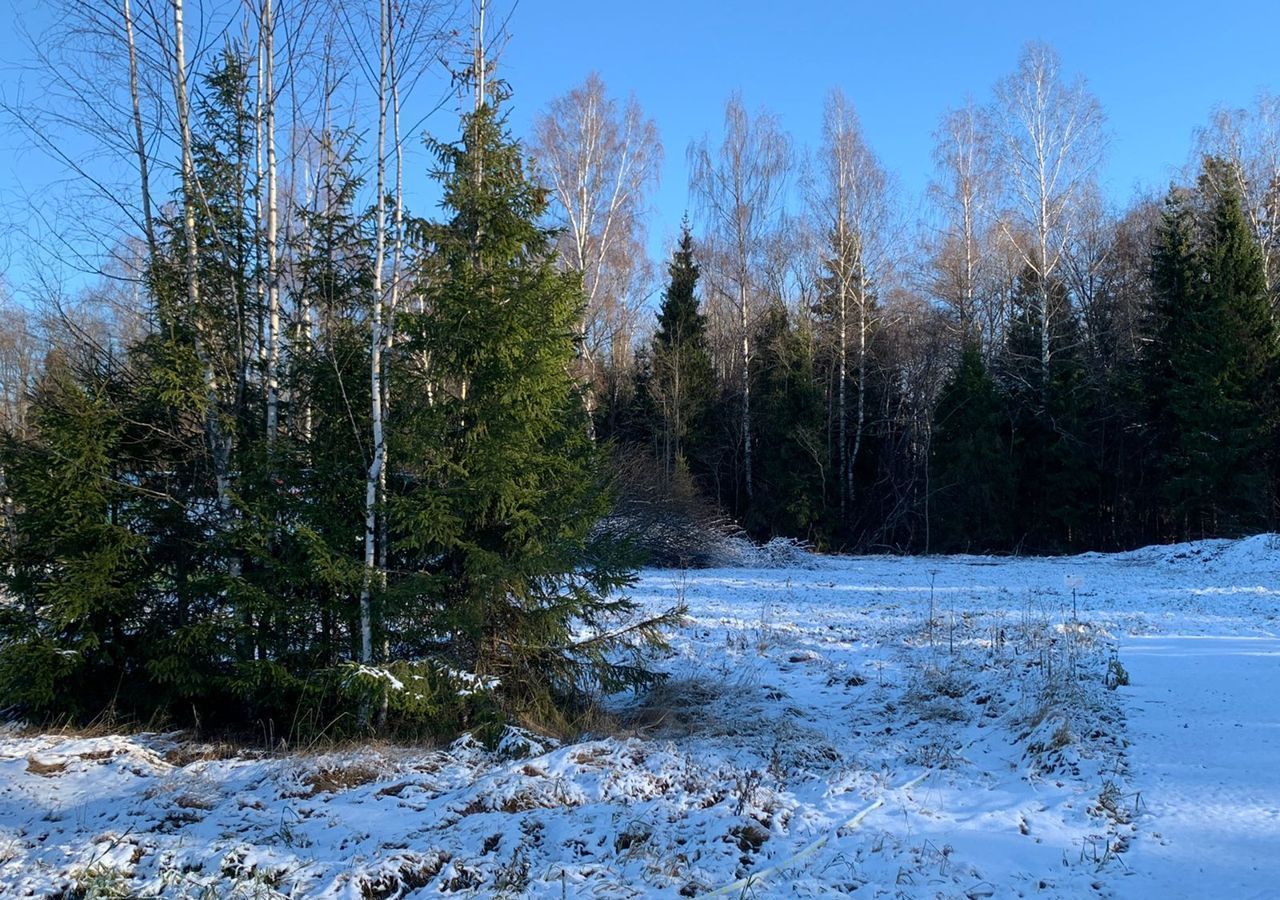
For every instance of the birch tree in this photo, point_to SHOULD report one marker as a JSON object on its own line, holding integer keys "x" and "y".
{"x": 267, "y": 28}
{"x": 1052, "y": 144}
{"x": 599, "y": 160}
{"x": 378, "y": 451}
{"x": 402, "y": 34}
{"x": 19, "y": 364}
{"x": 963, "y": 192}
{"x": 739, "y": 189}
{"x": 139, "y": 135}
{"x": 99, "y": 113}
{"x": 1249, "y": 138}
{"x": 850, "y": 206}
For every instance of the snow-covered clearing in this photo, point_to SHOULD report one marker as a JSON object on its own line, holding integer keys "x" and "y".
{"x": 772, "y": 764}
{"x": 1206, "y": 748}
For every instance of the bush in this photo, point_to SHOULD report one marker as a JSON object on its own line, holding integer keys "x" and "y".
{"x": 665, "y": 515}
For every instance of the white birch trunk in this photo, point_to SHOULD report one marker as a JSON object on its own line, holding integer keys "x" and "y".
{"x": 140, "y": 145}
{"x": 376, "y": 339}
{"x": 273, "y": 268}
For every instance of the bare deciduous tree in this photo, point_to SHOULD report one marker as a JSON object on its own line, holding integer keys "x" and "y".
{"x": 19, "y": 363}
{"x": 740, "y": 189}
{"x": 1052, "y": 143}
{"x": 599, "y": 161}
{"x": 849, "y": 201}
{"x": 963, "y": 192}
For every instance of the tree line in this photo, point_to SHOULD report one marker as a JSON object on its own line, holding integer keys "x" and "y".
{"x": 332, "y": 471}
{"x": 1025, "y": 369}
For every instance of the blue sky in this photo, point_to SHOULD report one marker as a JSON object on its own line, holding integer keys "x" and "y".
{"x": 1157, "y": 68}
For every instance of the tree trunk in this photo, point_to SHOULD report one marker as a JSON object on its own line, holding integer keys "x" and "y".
{"x": 268, "y": 25}
{"x": 376, "y": 338}
{"x": 140, "y": 145}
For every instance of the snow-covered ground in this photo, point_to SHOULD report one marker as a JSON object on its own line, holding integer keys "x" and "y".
{"x": 939, "y": 727}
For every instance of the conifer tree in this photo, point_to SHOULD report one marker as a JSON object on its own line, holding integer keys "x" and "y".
{"x": 1175, "y": 279}
{"x": 971, "y": 475}
{"x": 501, "y": 483}
{"x": 681, "y": 381}
{"x": 74, "y": 567}
{"x": 789, "y": 499}
{"x": 1055, "y": 471}
{"x": 1212, "y": 367}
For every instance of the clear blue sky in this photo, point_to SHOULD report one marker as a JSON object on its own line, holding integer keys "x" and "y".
{"x": 1157, "y": 67}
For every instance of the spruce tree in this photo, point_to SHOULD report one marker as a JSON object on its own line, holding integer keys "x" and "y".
{"x": 680, "y": 382}
{"x": 1213, "y": 366}
{"x": 679, "y": 319}
{"x": 502, "y": 485}
{"x": 74, "y": 568}
{"x": 1175, "y": 277}
{"x": 789, "y": 498}
{"x": 971, "y": 476}
{"x": 1056, "y": 472}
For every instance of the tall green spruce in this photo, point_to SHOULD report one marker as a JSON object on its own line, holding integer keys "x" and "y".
{"x": 66, "y": 643}
{"x": 1212, "y": 366}
{"x": 790, "y": 497}
{"x": 501, "y": 486}
{"x": 680, "y": 383}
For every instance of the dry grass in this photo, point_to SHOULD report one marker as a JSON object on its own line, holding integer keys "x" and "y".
{"x": 675, "y": 706}
{"x": 330, "y": 779}
{"x": 184, "y": 754}
{"x": 48, "y": 770}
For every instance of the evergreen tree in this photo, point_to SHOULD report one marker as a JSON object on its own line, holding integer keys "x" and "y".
{"x": 74, "y": 568}
{"x": 152, "y": 577}
{"x": 1055, "y": 469}
{"x": 680, "y": 382}
{"x": 1175, "y": 276}
{"x": 1213, "y": 361}
{"x": 789, "y": 498}
{"x": 679, "y": 319}
{"x": 971, "y": 478}
{"x": 502, "y": 486}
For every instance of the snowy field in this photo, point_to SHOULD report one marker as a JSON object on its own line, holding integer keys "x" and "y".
{"x": 882, "y": 727}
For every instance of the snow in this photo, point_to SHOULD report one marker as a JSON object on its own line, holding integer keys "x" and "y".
{"x": 1206, "y": 748}
{"x": 870, "y": 725}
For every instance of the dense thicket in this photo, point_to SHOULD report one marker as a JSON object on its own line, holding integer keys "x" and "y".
{"x": 174, "y": 549}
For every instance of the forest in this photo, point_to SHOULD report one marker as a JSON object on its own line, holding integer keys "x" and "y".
{"x": 313, "y": 455}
